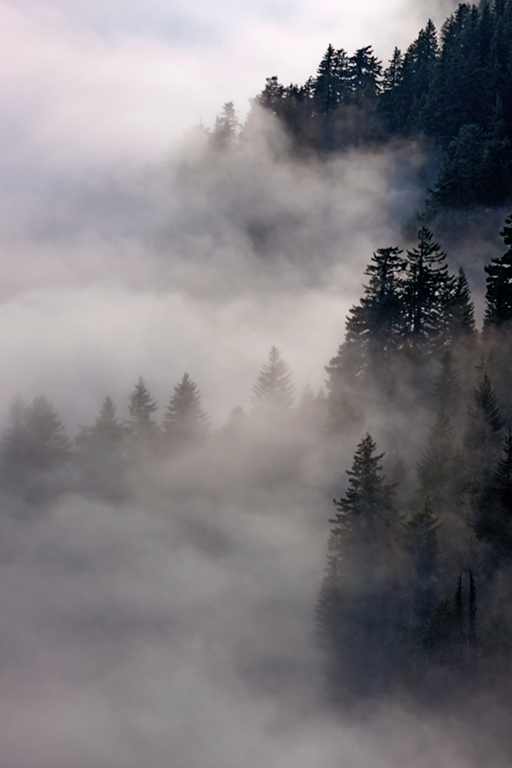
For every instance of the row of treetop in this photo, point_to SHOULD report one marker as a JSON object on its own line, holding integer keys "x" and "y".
{"x": 450, "y": 89}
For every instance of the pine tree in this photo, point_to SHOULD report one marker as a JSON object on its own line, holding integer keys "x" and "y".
{"x": 365, "y": 75}
{"x": 185, "y": 423}
{"x": 273, "y": 391}
{"x": 144, "y": 431}
{"x": 226, "y": 130}
{"x": 498, "y": 311}
{"x": 446, "y": 387}
{"x": 419, "y": 536}
{"x": 439, "y": 470}
{"x": 101, "y": 453}
{"x": 354, "y": 614}
{"x": 461, "y": 310}
{"x": 374, "y": 325}
{"x": 484, "y": 430}
{"x": 428, "y": 291}
{"x": 36, "y": 453}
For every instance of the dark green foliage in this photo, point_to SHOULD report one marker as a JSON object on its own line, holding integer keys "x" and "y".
{"x": 428, "y": 292}
{"x": 185, "y": 423}
{"x": 354, "y": 614}
{"x": 498, "y": 311}
{"x": 374, "y": 325}
{"x": 455, "y": 90}
{"x": 273, "y": 391}
{"x": 102, "y": 452}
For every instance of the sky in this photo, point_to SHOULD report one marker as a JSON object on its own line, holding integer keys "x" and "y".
{"x": 85, "y": 82}
{"x": 176, "y": 629}
{"x": 96, "y": 98}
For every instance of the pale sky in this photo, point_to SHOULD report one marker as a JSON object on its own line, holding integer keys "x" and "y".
{"x": 84, "y": 82}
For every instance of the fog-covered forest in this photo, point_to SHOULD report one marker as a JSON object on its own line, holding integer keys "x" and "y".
{"x": 256, "y": 447}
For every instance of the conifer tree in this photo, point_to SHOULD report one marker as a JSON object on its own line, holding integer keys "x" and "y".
{"x": 446, "y": 387}
{"x": 439, "y": 470}
{"x": 273, "y": 391}
{"x": 428, "y": 291}
{"x": 498, "y": 311}
{"x": 101, "y": 452}
{"x": 185, "y": 423}
{"x": 419, "y": 535}
{"x": 374, "y": 325}
{"x": 36, "y": 452}
{"x": 484, "y": 430}
{"x": 461, "y": 309}
{"x": 144, "y": 431}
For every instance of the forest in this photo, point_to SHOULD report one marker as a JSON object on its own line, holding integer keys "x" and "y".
{"x": 419, "y": 556}
{"x": 281, "y": 567}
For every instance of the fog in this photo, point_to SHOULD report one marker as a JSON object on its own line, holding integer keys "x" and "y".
{"x": 176, "y": 627}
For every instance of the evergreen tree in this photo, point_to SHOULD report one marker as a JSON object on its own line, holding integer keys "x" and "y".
{"x": 36, "y": 452}
{"x": 331, "y": 86}
{"x": 419, "y": 535}
{"x": 373, "y": 326}
{"x": 273, "y": 391}
{"x": 439, "y": 470}
{"x": 101, "y": 453}
{"x": 185, "y": 423}
{"x": 484, "y": 429}
{"x": 354, "y": 614}
{"x": 365, "y": 75}
{"x": 498, "y": 311}
{"x": 461, "y": 310}
{"x": 446, "y": 387}
{"x": 144, "y": 431}
{"x": 428, "y": 291}
{"x": 226, "y": 130}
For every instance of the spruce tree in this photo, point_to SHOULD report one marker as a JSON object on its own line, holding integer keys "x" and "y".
{"x": 36, "y": 453}
{"x": 102, "y": 452}
{"x": 144, "y": 431}
{"x": 355, "y": 615}
{"x": 273, "y": 391}
{"x": 419, "y": 535}
{"x": 185, "y": 423}
{"x": 446, "y": 386}
{"x": 428, "y": 291}
{"x": 498, "y": 311}
{"x": 439, "y": 470}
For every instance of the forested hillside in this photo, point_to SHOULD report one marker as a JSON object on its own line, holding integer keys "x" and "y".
{"x": 256, "y": 441}
{"x": 419, "y": 557}
{"x": 450, "y": 89}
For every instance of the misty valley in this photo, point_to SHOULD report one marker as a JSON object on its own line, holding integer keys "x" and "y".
{"x": 256, "y": 454}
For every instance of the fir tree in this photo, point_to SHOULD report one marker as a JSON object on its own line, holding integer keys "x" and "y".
{"x": 36, "y": 453}
{"x": 498, "y": 311}
{"x": 428, "y": 291}
{"x": 185, "y": 423}
{"x": 446, "y": 387}
{"x": 101, "y": 452}
{"x": 419, "y": 535}
{"x": 439, "y": 470}
{"x": 144, "y": 431}
{"x": 273, "y": 391}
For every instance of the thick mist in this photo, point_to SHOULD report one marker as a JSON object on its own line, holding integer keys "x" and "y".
{"x": 176, "y": 627}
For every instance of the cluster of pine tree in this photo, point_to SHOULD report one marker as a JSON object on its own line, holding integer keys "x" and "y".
{"x": 452, "y": 89}
{"x": 420, "y": 573}
{"x": 419, "y": 562}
